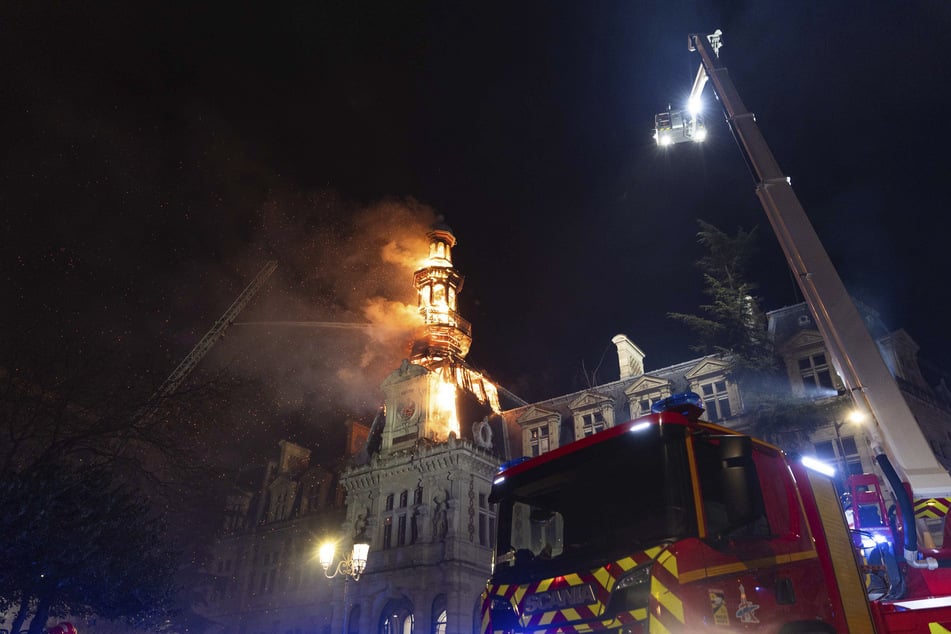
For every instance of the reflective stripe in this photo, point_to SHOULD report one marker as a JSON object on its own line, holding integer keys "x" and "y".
{"x": 743, "y": 566}
{"x": 671, "y": 602}
{"x": 932, "y": 507}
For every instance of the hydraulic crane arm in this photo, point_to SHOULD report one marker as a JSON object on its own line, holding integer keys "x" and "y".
{"x": 853, "y": 351}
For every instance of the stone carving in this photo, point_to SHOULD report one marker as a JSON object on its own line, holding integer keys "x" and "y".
{"x": 440, "y": 516}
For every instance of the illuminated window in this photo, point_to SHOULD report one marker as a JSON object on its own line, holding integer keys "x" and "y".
{"x": 592, "y": 423}
{"x": 815, "y": 374}
{"x": 716, "y": 400}
{"x": 539, "y": 440}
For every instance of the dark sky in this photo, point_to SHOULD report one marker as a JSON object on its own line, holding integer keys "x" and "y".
{"x": 155, "y": 155}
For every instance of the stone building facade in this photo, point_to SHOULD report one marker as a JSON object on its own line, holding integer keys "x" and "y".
{"x": 262, "y": 574}
{"x": 809, "y": 376}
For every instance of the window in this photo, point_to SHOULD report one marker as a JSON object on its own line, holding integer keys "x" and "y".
{"x": 716, "y": 400}
{"x": 404, "y": 496}
{"x": 389, "y": 502}
{"x": 642, "y": 402}
{"x": 439, "y": 627}
{"x": 845, "y": 458}
{"x": 387, "y": 532}
{"x": 539, "y": 440}
{"x": 418, "y": 495}
{"x": 825, "y": 451}
{"x": 401, "y": 530}
{"x": 592, "y": 423}
{"x": 815, "y": 374}
{"x": 397, "y": 619}
{"x": 643, "y": 407}
{"x": 440, "y": 617}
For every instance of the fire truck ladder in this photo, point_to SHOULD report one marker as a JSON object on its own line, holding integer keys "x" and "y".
{"x": 191, "y": 361}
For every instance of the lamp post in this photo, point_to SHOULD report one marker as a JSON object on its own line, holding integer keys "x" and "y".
{"x": 352, "y": 566}
{"x": 853, "y": 416}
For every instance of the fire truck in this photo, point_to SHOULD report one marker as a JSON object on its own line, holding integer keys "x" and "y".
{"x": 672, "y": 524}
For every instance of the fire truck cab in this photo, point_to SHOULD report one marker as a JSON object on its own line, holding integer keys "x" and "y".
{"x": 665, "y": 524}
{"x": 671, "y": 524}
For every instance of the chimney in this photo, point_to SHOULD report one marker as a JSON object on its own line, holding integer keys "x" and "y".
{"x": 630, "y": 358}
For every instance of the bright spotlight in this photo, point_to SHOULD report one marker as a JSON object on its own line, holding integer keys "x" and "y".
{"x": 695, "y": 105}
{"x": 700, "y": 135}
{"x": 817, "y": 465}
{"x": 665, "y": 140}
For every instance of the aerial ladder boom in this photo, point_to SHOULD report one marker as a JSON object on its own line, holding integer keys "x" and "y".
{"x": 854, "y": 354}
{"x": 217, "y": 331}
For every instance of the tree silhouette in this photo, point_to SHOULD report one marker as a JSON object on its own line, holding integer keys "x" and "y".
{"x": 78, "y": 543}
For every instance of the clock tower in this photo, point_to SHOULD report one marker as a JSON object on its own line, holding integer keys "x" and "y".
{"x": 421, "y": 495}
{"x": 421, "y": 394}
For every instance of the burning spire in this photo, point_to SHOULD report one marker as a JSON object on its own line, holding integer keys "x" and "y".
{"x": 422, "y": 396}
{"x": 444, "y": 336}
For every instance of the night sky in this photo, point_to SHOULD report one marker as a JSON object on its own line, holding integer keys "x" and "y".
{"x": 155, "y": 155}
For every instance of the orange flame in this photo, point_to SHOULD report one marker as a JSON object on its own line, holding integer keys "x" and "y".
{"x": 443, "y": 417}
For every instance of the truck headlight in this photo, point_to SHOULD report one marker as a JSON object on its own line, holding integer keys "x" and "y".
{"x": 632, "y": 591}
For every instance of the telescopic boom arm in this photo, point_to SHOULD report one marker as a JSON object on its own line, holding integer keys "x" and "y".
{"x": 853, "y": 351}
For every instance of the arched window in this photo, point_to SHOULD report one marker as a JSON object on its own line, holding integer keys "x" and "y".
{"x": 440, "y": 616}
{"x": 397, "y": 617}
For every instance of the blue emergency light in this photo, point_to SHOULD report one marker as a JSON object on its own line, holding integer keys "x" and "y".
{"x": 686, "y": 403}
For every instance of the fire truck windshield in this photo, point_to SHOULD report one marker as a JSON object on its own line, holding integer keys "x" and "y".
{"x": 595, "y": 504}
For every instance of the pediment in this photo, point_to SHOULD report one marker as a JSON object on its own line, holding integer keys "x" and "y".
{"x": 647, "y": 383}
{"x": 534, "y": 413}
{"x": 590, "y": 399}
{"x": 707, "y": 367}
{"x": 803, "y": 340}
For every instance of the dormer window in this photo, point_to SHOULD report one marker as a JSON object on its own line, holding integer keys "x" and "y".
{"x": 592, "y": 423}
{"x": 716, "y": 400}
{"x": 539, "y": 440}
{"x": 815, "y": 375}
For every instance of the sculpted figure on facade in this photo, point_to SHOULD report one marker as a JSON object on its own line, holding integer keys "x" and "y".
{"x": 440, "y": 516}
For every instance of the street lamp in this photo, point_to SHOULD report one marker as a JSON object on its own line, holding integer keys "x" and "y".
{"x": 853, "y": 416}
{"x": 352, "y": 566}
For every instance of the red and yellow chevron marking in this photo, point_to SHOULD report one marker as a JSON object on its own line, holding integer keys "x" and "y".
{"x": 934, "y": 508}
{"x": 666, "y": 607}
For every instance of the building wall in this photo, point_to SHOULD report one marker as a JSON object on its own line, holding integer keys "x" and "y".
{"x": 262, "y": 575}
{"x": 439, "y": 494}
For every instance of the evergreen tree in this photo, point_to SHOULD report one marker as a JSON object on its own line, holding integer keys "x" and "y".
{"x": 733, "y": 326}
